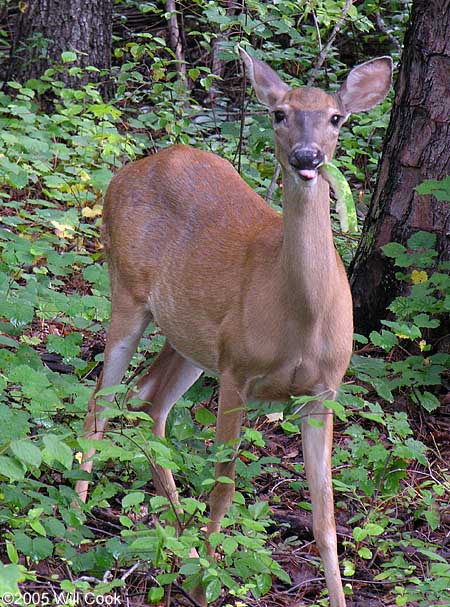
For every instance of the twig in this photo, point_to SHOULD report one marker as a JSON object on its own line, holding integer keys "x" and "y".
{"x": 324, "y": 52}
{"x": 238, "y": 153}
{"x": 381, "y": 25}
{"x": 186, "y": 595}
{"x": 175, "y": 42}
{"x": 130, "y": 571}
{"x": 273, "y": 183}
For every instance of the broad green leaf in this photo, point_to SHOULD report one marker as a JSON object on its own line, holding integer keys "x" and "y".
{"x": 13, "y": 555}
{"x": 213, "y": 590}
{"x": 393, "y": 249}
{"x": 205, "y": 417}
{"x": 359, "y": 534}
{"x": 11, "y": 468}
{"x": 224, "y": 480}
{"x": 373, "y": 529}
{"x": 57, "y": 450}
{"x": 10, "y": 576}
{"x": 428, "y": 401}
{"x": 68, "y": 56}
{"x": 42, "y": 548}
{"x": 27, "y": 452}
{"x": 365, "y": 553}
{"x": 155, "y": 594}
{"x": 422, "y": 240}
{"x": 132, "y": 499}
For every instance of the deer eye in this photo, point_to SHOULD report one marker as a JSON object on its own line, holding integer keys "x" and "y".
{"x": 279, "y": 116}
{"x": 335, "y": 119}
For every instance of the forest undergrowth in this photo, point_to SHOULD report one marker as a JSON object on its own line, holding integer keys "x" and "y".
{"x": 391, "y": 454}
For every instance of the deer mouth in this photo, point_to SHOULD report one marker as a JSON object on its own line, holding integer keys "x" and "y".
{"x": 307, "y": 174}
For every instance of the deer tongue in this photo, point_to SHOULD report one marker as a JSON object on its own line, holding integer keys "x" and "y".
{"x": 307, "y": 174}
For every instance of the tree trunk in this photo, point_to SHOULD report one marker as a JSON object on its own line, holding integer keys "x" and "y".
{"x": 416, "y": 148}
{"x": 47, "y": 28}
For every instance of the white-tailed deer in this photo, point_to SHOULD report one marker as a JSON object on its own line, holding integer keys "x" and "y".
{"x": 259, "y": 299}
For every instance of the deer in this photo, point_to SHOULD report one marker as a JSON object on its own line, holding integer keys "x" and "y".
{"x": 259, "y": 299}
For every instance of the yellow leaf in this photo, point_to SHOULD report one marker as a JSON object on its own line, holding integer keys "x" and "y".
{"x": 84, "y": 176}
{"x": 418, "y": 277}
{"x": 94, "y": 212}
{"x": 63, "y": 230}
{"x": 422, "y": 345}
{"x": 274, "y": 417}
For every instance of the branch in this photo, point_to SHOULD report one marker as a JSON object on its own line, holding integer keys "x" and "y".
{"x": 381, "y": 25}
{"x": 324, "y": 52}
{"x": 175, "y": 41}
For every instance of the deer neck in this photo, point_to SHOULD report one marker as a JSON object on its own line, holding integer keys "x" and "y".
{"x": 308, "y": 253}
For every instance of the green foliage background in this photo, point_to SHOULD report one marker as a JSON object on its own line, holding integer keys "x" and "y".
{"x": 54, "y": 168}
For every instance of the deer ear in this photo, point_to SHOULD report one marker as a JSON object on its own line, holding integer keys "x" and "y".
{"x": 268, "y": 86}
{"x": 366, "y": 85}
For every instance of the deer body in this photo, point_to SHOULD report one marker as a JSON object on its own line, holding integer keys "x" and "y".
{"x": 259, "y": 299}
{"x": 259, "y": 322}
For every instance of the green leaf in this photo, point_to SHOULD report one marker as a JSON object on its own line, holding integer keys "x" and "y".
{"x": 349, "y": 569}
{"x": 432, "y": 518}
{"x": 42, "y": 548}
{"x": 422, "y": 240}
{"x": 439, "y": 189}
{"x": 224, "y": 480}
{"x": 13, "y": 555}
{"x": 428, "y": 401}
{"x": 132, "y": 499}
{"x": 9, "y": 342}
{"x": 386, "y": 339}
{"x": 10, "y": 576}
{"x": 213, "y": 590}
{"x": 403, "y": 330}
{"x": 338, "y": 409}
{"x": 359, "y": 534}
{"x": 393, "y": 249}
{"x": 68, "y": 56}
{"x": 191, "y": 567}
{"x": 68, "y": 347}
{"x": 423, "y": 320}
{"x": 229, "y": 545}
{"x": 290, "y": 428}
{"x": 57, "y": 450}
{"x": 10, "y": 468}
{"x": 205, "y": 417}
{"x": 433, "y": 556}
{"x": 38, "y": 527}
{"x": 373, "y": 529}
{"x": 216, "y": 538}
{"x": 13, "y": 424}
{"x": 155, "y": 594}
{"x": 365, "y": 553}
{"x": 27, "y": 452}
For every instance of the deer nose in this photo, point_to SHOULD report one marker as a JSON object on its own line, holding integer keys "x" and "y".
{"x": 308, "y": 159}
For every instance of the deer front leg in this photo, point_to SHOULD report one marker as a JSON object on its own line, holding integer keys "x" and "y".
{"x": 228, "y": 428}
{"x": 317, "y": 445}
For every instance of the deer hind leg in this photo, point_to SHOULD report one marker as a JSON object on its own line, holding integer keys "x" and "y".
{"x": 128, "y": 322}
{"x": 317, "y": 445}
{"x": 167, "y": 379}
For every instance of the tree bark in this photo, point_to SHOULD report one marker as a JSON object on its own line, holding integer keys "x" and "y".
{"x": 416, "y": 148}
{"x": 46, "y": 28}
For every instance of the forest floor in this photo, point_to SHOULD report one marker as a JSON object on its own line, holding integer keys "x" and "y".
{"x": 290, "y": 532}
